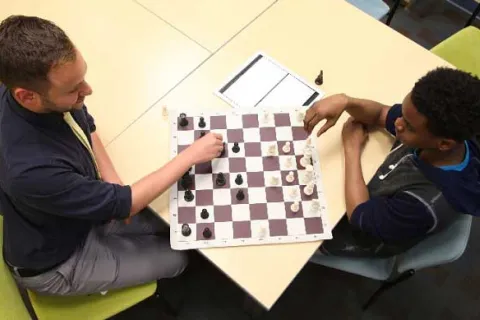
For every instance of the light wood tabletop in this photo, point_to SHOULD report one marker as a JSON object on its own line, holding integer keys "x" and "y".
{"x": 133, "y": 57}
{"x": 358, "y": 55}
{"x": 209, "y": 22}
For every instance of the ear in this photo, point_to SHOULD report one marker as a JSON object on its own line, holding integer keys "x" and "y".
{"x": 27, "y": 98}
{"x": 446, "y": 144}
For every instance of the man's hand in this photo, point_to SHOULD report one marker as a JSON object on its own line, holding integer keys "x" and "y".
{"x": 354, "y": 136}
{"x": 329, "y": 109}
{"x": 206, "y": 148}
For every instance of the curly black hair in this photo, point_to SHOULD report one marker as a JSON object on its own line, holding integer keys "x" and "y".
{"x": 450, "y": 100}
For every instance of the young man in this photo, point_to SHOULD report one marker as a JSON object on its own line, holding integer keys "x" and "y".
{"x": 63, "y": 202}
{"x": 431, "y": 176}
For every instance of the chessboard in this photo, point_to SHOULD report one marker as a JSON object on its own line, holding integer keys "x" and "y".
{"x": 264, "y": 188}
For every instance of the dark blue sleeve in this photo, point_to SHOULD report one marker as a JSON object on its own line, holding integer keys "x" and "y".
{"x": 58, "y": 190}
{"x": 394, "y": 113}
{"x": 395, "y": 218}
{"x": 90, "y": 120}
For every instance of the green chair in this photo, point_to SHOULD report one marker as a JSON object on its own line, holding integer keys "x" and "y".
{"x": 72, "y": 308}
{"x": 462, "y": 50}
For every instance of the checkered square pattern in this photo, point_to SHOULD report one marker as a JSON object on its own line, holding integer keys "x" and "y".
{"x": 264, "y": 213}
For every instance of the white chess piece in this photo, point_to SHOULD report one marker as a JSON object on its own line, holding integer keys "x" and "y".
{"x": 272, "y": 149}
{"x": 290, "y": 177}
{"x": 286, "y": 147}
{"x": 295, "y": 206}
{"x": 308, "y": 190}
{"x": 300, "y": 116}
{"x": 274, "y": 180}
{"x": 293, "y": 193}
{"x": 262, "y": 232}
{"x": 315, "y": 206}
{"x": 305, "y": 160}
{"x": 308, "y": 174}
{"x": 308, "y": 151}
{"x": 266, "y": 117}
{"x": 289, "y": 163}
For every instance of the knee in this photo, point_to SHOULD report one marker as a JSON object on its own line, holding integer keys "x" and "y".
{"x": 177, "y": 263}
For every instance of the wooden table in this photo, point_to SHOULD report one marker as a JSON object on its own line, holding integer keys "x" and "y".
{"x": 359, "y": 56}
{"x": 133, "y": 57}
{"x": 211, "y": 23}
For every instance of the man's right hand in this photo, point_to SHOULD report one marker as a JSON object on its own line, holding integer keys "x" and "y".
{"x": 329, "y": 109}
{"x": 206, "y": 148}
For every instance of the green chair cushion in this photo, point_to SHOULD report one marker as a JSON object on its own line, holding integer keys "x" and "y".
{"x": 462, "y": 50}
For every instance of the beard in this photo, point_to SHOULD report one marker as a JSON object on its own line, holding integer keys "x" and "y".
{"x": 50, "y": 106}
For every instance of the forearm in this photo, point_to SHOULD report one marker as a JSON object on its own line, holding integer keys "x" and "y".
{"x": 152, "y": 186}
{"x": 368, "y": 112}
{"x": 105, "y": 165}
{"x": 356, "y": 191}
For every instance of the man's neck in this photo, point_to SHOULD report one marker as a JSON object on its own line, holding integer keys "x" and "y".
{"x": 446, "y": 158}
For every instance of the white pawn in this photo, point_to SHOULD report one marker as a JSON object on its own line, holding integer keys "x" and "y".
{"x": 293, "y": 193}
{"x": 308, "y": 174}
{"x": 286, "y": 147}
{"x": 272, "y": 149}
{"x": 305, "y": 160}
{"x": 300, "y": 116}
{"x": 307, "y": 152}
{"x": 308, "y": 190}
{"x": 295, "y": 206}
{"x": 290, "y": 177}
{"x": 315, "y": 206}
{"x": 274, "y": 180}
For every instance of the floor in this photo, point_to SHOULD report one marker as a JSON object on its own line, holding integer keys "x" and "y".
{"x": 447, "y": 292}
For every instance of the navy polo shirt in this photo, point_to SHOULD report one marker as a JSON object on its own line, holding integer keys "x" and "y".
{"x": 49, "y": 195}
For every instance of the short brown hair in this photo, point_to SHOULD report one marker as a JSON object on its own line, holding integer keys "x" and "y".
{"x": 29, "y": 48}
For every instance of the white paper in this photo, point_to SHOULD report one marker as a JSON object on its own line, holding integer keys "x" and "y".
{"x": 289, "y": 92}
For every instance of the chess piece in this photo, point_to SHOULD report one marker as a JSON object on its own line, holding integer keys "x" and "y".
{"x": 274, "y": 180}
{"x": 308, "y": 190}
{"x": 272, "y": 149}
{"x": 201, "y": 123}
{"x": 309, "y": 141}
{"x": 290, "y": 177}
{"x": 223, "y": 150}
{"x": 262, "y": 233}
{"x": 305, "y": 160}
{"x": 236, "y": 147}
{"x": 240, "y": 195}
{"x": 202, "y": 133}
{"x": 308, "y": 174}
{"x": 186, "y": 231}
{"x": 300, "y": 116}
{"x": 294, "y": 207}
{"x": 289, "y": 163}
{"x": 220, "y": 181}
{"x": 286, "y": 147}
{"x": 293, "y": 192}
{"x": 188, "y": 195}
{"x": 186, "y": 181}
{"x": 239, "y": 179}
{"x": 308, "y": 151}
{"x": 315, "y": 206}
{"x": 207, "y": 233}
{"x": 183, "y": 120}
{"x": 204, "y": 214}
{"x": 266, "y": 117}
{"x": 319, "y": 79}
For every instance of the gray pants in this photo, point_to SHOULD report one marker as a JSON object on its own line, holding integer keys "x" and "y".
{"x": 115, "y": 255}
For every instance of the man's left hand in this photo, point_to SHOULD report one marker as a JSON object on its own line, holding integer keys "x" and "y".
{"x": 354, "y": 135}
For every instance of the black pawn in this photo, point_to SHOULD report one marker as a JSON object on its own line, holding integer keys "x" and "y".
{"x": 183, "y": 120}
{"x": 240, "y": 195}
{"x": 220, "y": 181}
{"x": 239, "y": 179}
{"x": 319, "y": 79}
{"x": 236, "y": 147}
{"x": 188, "y": 195}
{"x": 204, "y": 214}
{"x": 207, "y": 233}
{"x": 186, "y": 231}
{"x": 202, "y": 133}
{"x": 202, "y": 123}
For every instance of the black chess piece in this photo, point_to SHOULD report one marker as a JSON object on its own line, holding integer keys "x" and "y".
{"x": 204, "y": 214}
{"x": 188, "y": 195}
{"x": 220, "y": 181}
{"x": 240, "y": 195}
{"x": 239, "y": 179}
{"x": 202, "y": 123}
{"x": 207, "y": 233}
{"x": 186, "y": 181}
{"x": 236, "y": 147}
{"x": 223, "y": 150}
{"x": 202, "y": 133}
{"x": 183, "y": 120}
{"x": 186, "y": 231}
{"x": 319, "y": 79}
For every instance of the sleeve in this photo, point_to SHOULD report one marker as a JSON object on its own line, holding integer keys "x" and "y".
{"x": 394, "y": 113}
{"x": 59, "y": 191}
{"x": 394, "y": 218}
{"x": 90, "y": 121}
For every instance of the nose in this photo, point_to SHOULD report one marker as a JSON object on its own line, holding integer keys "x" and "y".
{"x": 87, "y": 90}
